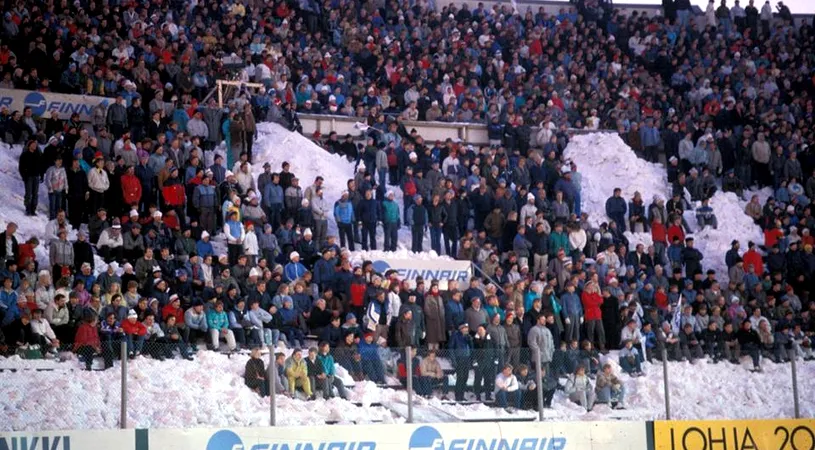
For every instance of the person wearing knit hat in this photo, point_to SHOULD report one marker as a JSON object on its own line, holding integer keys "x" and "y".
{"x": 294, "y": 270}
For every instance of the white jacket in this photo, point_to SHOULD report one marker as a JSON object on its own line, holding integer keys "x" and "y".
{"x": 98, "y": 180}
{"x": 52, "y": 227}
{"x": 250, "y": 244}
{"x": 107, "y": 239}
{"x": 43, "y": 328}
{"x": 56, "y": 180}
{"x": 506, "y": 383}
{"x": 577, "y": 239}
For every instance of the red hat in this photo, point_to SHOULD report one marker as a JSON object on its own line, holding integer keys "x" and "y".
{"x": 66, "y": 271}
{"x": 98, "y": 155}
{"x": 368, "y": 334}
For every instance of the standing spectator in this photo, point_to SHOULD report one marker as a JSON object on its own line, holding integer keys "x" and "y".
{"x": 31, "y": 170}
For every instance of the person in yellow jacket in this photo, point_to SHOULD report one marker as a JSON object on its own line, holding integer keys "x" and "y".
{"x": 297, "y": 373}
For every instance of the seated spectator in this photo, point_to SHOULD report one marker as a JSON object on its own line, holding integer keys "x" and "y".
{"x": 135, "y": 334}
{"x": 690, "y": 344}
{"x": 254, "y": 375}
{"x": 579, "y": 389}
{"x": 507, "y": 388}
{"x": 43, "y": 333}
{"x": 630, "y": 359}
{"x": 609, "y": 388}
{"x": 331, "y": 380}
{"x": 218, "y": 326}
{"x": 297, "y": 374}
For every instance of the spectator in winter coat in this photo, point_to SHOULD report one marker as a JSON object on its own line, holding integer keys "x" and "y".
{"x": 218, "y": 327}
{"x": 540, "y": 342}
{"x": 616, "y": 209}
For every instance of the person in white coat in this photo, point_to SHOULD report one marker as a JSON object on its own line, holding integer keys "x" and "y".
{"x": 507, "y": 387}
{"x": 250, "y": 244}
{"x": 43, "y": 332}
{"x": 710, "y": 14}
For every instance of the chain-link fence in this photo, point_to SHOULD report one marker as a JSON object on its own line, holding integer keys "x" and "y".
{"x": 472, "y": 378}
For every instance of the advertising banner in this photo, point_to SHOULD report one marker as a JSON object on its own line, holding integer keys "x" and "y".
{"x": 410, "y": 269}
{"x": 735, "y": 435}
{"x": 42, "y": 103}
{"x": 480, "y": 436}
{"x": 69, "y": 440}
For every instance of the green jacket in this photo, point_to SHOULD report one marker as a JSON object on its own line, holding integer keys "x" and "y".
{"x": 390, "y": 212}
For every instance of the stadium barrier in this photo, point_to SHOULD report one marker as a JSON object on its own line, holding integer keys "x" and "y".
{"x": 659, "y": 435}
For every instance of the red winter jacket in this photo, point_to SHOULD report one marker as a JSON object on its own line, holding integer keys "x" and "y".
{"x": 134, "y": 328}
{"x": 131, "y": 189}
{"x": 591, "y": 306}
{"x": 168, "y": 311}
{"x": 173, "y": 193}
{"x": 659, "y": 233}
{"x": 87, "y": 335}
{"x": 358, "y": 294}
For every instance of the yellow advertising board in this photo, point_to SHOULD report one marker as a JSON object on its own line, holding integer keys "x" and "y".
{"x": 735, "y": 435}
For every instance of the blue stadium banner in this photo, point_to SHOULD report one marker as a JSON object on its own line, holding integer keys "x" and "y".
{"x": 42, "y": 103}
{"x": 458, "y": 436}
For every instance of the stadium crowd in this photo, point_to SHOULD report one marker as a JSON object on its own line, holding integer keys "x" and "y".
{"x": 726, "y": 99}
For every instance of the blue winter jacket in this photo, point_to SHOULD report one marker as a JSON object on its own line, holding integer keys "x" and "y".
{"x": 272, "y": 195}
{"x": 324, "y": 272}
{"x": 204, "y": 248}
{"x": 572, "y": 306}
{"x": 293, "y": 271}
{"x": 344, "y": 212}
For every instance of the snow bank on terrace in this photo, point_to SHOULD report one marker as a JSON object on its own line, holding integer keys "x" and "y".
{"x": 308, "y": 160}
{"x": 401, "y": 253}
{"x": 11, "y": 197}
{"x": 733, "y": 224}
{"x": 206, "y": 392}
{"x": 606, "y": 162}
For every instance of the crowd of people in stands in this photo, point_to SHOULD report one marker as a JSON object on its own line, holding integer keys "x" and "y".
{"x": 726, "y": 99}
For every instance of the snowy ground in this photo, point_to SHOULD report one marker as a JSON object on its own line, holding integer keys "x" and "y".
{"x": 210, "y": 390}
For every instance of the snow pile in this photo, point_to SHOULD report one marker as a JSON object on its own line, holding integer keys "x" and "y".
{"x": 733, "y": 224}
{"x": 11, "y": 197}
{"x": 605, "y": 162}
{"x": 275, "y": 144}
{"x": 401, "y": 253}
{"x": 210, "y": 392}
{"x": 206, "y": 392}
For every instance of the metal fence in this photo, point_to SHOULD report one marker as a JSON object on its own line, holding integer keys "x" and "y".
{"x": 485, "y": 382}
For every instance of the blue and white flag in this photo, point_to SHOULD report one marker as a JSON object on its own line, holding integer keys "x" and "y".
{"x": 676, "y": 321}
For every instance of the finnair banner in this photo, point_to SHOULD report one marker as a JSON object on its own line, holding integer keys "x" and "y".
{"x": 440, "y": 270}
{"x": 42, "y": 103}
{"x": 69, "y": 440}
{"x": 458, "y": 436}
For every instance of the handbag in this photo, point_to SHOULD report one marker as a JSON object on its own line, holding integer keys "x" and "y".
{"x": 29, "y": 352}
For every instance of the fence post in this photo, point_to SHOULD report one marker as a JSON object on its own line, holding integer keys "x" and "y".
{"x": 272, "y": 387}
{"x": 665, "y": 381}
{"x": 794, "y": 366}
{"x": 409, "y": 381}
{"x": 123, "y": 412}
{"x": 538, "y": 382}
